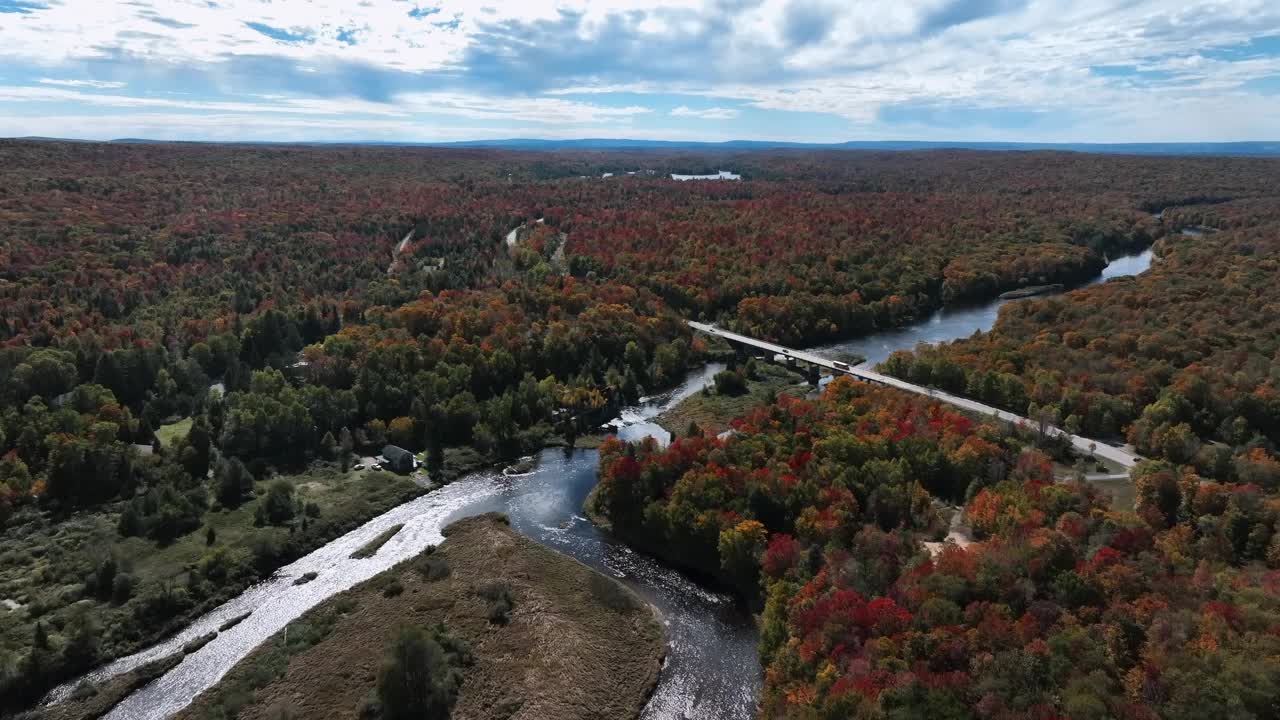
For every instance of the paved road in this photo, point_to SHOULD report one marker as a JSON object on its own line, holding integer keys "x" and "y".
{"x": 1083, "y": 445}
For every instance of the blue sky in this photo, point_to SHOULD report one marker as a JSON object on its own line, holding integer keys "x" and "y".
{"x": 804, "y": 70}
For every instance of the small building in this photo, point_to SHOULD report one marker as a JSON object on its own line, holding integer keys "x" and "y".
{"x": 397, "y": 459}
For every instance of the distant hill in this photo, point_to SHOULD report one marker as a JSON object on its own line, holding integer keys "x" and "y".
{"x": 1204, "y": 148}
{"x": 1254, "y": 148}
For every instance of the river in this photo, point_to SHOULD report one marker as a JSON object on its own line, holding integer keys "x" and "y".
{"x": 959, "y": 321}
{"x": 712, "y": 670}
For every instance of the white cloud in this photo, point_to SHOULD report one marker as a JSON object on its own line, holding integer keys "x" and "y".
{"x": 852, "y": 61}
{"x": 278, "y": 128}
{"x": 524, "y": 109}
{"x": 102, "y": 84}
{"x": 551, "y": 111}
{"x": 292, "y": 106}
{"x": 715, "y": 113}
{"x": 1034, "y": 60}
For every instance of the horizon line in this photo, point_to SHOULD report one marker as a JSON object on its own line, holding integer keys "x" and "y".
{"x": 1196, "y": 147}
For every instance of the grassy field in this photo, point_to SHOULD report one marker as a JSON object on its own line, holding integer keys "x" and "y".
{"x": 713, "y": 412}
{"x": 576, "y": 645}
{"x": 345, "y": 501}
{"x": 46, "y": 561}
{"x": 170, "y": 433}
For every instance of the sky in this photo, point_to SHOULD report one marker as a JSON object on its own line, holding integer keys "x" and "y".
{"x": 697, "y": 70}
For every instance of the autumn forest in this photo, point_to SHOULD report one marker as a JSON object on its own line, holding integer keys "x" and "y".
{"x": 201, "y": 345}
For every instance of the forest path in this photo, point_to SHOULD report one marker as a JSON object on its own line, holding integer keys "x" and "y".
{"x": 395, "y": 254}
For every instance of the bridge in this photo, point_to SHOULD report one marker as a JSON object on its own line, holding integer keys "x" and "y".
{"x": 1083, "y": 445}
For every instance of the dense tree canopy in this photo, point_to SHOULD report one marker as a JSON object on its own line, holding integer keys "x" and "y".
{"x": 1183, "y": 360}
{"x": 181, "y": 323}
{"x": 817, "y": 509}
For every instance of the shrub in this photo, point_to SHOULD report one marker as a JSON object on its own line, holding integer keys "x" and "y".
{"x": 417, "y": 680}
{"x": 122, "y": 588}
{"x": 105, "y": 577}
{"x": 266, "y": 552}
{"x": 83, "y": 635}
{"x": 163, "y": 513}
{"x": 278, "y": 505}
{"x": 393, "y": 588}
{"x": 159, "y": 602}
{"x": 501, "y": 602}
{"x": 130, "y": 523}
{"x": 729, "y": 382}
{"x": 433, "y": 568}
{"x": 234, "y": 482}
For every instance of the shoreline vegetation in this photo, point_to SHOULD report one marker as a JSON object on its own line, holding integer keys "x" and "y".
{"x": 1033, "y": 290}
{"x": 200, "y": 575}
{"x": 806, "y": 446}
{"x": 468, "y": 351}
{"x": 348, "y": 500}
{"x": 570, "y": 642}
{"x": 90, "y": 702}
{"x": 371, "y": 548}
{"x": 799, "y": 507}
{"x": 712, "y": 412}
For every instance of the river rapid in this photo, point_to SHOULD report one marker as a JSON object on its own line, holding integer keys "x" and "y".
{"x": 712, "y": 670}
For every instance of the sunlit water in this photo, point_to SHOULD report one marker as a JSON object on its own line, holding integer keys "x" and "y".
{"x": 712, "y": 671}
{"x": 952, "y": 323}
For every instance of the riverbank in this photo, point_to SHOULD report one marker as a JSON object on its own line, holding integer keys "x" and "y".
{"x": 957, "y": 320}
{"x": 46, "y": 563}
{"x": 278, "y": 600}
{"x": 90, "y": 702}
{"x": 713, "y": 411}
{"x": 1031, "y": 291}
{"x": 576, "y": 644}
{"x": 714, "y": 670}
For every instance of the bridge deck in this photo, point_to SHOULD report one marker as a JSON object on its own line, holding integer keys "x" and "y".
{"x": 1083, "y": 445}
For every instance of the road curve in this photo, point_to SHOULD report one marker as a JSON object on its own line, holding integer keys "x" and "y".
{"x": 1083, "y": 445}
